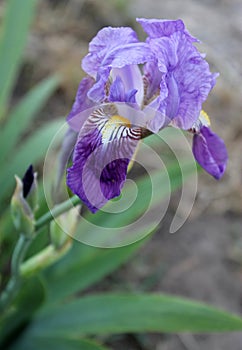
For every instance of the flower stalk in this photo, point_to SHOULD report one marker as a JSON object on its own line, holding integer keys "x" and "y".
{"x": 13, "y": 284}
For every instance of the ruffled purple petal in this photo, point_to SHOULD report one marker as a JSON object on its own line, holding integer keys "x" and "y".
{"x": 75, "y": 118}
{"x": 101, "y": 157}
{"x": 210, "y": 152}
{"x": 186, "y": 76}
{"x": 104, "y": 43}
{"x": 120, "y": 57}
{"x": 157, "y": 28}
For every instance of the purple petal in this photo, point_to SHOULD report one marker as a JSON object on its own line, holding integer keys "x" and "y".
{"x": 186, "y": 76}
{"x": 157, "y": 28}
{"x": 132, "y": 80}
{"x": 106, "y": 40}
{"x": 152, "y": 79}
{"x": 113, "y": 48}
{"x": 101, "y": 157}
{"x": 82, "y": 102}
{"x": 118, "y": 94}
{"x": 210, "y": 152}
{"x": 120, "y": 57}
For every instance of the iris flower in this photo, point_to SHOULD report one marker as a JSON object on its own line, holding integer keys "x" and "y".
{"x": 133, "y": 89}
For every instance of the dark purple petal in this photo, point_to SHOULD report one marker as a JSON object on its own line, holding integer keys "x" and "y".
{"x": 101, "y": 157}
{"x": 82, "y": 102}
{"x": 210, "y": 152}
{"x": 157, "y": 28}
{"x": 28, "y": 180}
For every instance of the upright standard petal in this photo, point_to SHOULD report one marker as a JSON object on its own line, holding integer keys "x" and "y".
{"x": 186, "y": 79}
{"x": 103, "y": 151}
{"x": 210, "y": 152}
{"x": 112, "y": 48}
{"x": 157, "y": 28}
{"x": 106, "y": 40}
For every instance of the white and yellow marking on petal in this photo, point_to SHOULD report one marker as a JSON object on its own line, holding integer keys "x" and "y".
{"x": 114, "y": 128}
{"x": 203, "y": 120}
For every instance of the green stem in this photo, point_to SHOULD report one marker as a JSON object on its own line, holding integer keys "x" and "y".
{"x": 45, "y": 258}
{"x": 56, "y": 211}
{"x": 12, "y": 287}
{"x": 40, "y": 260}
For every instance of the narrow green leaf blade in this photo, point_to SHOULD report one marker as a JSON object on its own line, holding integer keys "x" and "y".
{"x": 83, "y": 266}
{"x": 115, "y": 313}
{"x": 19, "y": 119}
{"x": 26, "y": 343}
{"x": 14, "y": 35}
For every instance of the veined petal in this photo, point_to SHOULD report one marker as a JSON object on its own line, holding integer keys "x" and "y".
{"x": 82, "y": 102}
{"x": 157, "y": 28}
{"x": 210, "y": 152}
{"x": 152, "y": 80}
{"x": 106, "y": 40}
{"x": 103, "y": 151}
{"x": 118, "y": 93}
{"x": 186, "y": 76}
{"x": 132, "y": 80}
{"x": 120, "y": 57}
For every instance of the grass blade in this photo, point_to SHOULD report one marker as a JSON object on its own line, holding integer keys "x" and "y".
{"x": 14, "y": 36}
{"x": 115, "y": 313}
{"x": 19, "y": 119}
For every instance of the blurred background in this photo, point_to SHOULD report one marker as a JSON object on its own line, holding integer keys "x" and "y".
{"x": 203, "y": 260}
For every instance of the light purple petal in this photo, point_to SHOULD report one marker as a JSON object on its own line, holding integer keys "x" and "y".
{"x": 210, "y": 152}
{"x": 82, "y": 102}
{"x": 118, "y": 93}
{"x": 106, "y": 40}
{"x": 101, "y": 157}
{"x": 186, "y": 76}
{"x": 152, "y": 79}
{"x": 120, "y": 57}
{"x": 132, "y": 80}
{"x": 157, "y": 28}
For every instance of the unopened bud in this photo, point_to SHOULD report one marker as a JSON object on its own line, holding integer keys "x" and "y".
{"x": 63, "y": 227}
{"x": 30, "y": 188}
{"x": 22, "y": 214}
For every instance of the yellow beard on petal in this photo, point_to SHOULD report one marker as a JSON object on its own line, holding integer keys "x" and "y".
{"x": 204, "y": 118}
{"x": 112, "y": 125}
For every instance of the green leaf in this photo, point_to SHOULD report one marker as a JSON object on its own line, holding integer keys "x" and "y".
{"x": 30, "y": 151}
{"x": 19, "y": 119}
{"x": 26, "y": 343}
{"x": 14, "y": 35}
{"x": 120, "y": 313}
{"x": 29, "y": 299}
{"x": 83, "y": 266}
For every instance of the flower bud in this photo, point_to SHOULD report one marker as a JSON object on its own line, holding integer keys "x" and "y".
{"x": 22, "y": 214}
{"x": 63, "y": 227}
{"x": 30, "y": 188}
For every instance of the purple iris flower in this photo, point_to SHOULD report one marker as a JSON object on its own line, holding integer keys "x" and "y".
{"x": 133, "y": 89}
